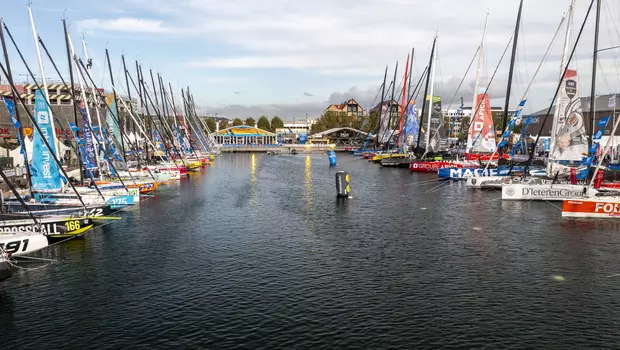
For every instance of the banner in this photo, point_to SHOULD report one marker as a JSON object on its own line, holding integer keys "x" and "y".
{"x": 112, "y": 119}
{"x": 90, "y": 160}
{"x": 10, "y": 106}
{"x": 44, "y": 170}
{"x": 569, "y": 141}
{"x": 481, "y": 136}
{"x": 412, "y": 126}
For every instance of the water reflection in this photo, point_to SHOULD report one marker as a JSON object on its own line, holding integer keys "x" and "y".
{"x": 253, "y": 186}
{"x": 308, "y": 183}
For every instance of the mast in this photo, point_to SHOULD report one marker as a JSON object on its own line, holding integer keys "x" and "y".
{"x": 479, "y": 69}
{"x": 512, "y": 64}
{"x": 430, "y": 105}
{"x": 121, "y": 125}
{"x": 92, "y": 93}
{"x": 72, "y": 89}
{"x": 85, "y": 100}
{"x": 389, "y": 109}
{"x": 592, "y": 124}
{"x": 404, "y": 97}
{"x": 428, "y": 78}
{"x": 42, "y": 71}
{"x": 381, "y": 106}
{"x": 128, "y": 91}
{"x": 11, "y": 82}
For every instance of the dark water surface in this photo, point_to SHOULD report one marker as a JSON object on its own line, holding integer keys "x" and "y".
{"x": 256, "y": 253}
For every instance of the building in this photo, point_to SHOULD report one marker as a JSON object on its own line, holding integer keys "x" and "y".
{"x": 245, "y": 136}
{"x": 602, "y": 109}
{"x": 350, "y": 107}
{"x": 62, "y": 108}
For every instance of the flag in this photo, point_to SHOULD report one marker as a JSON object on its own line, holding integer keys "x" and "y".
{"x": 612, "y": 101}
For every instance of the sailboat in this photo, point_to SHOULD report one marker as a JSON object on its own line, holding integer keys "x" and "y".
{"x": 569, "y": 142}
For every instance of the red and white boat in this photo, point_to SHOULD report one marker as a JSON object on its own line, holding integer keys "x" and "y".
{"x": 603, "y": 207}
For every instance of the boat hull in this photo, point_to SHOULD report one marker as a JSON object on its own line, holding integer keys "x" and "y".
{"x": 546, "y": 192}
{"x": 591, "y": 208}
{"x": 430, "y": 166}
{"x": 23, "y": 244}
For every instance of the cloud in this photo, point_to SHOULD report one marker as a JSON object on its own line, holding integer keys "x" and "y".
{"x": 350, "y": 41}
{"x": 128, "y": 24}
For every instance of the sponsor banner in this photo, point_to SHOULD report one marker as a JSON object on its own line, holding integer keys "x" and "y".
{"x": 542, "y": 192}
{"x": 429, "y": 167}
{"x": 462, "y": 173}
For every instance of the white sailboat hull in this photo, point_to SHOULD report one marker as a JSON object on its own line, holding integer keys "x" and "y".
{"x": 545, "y": 192}
{"x": 18, "y": 245}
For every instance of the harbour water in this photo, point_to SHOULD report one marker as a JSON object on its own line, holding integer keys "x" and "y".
{"x": 256, "y": 252}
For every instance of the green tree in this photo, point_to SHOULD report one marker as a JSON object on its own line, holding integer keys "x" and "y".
{"x": 276, "y": 123}
{"x": 373, "y": 122}
{"x": 237, "y": 122}
{"x": 263, "y": 123}
{"x": 211, "y": 124}
{"x": 223, "y": 124}
{"x": 250, "y": 121}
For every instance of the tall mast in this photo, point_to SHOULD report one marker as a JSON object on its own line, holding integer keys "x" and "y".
{"x": 428, "y": 78}
{"x": 92, "y": 92}
{"x": 121, "y": 124}
{"x": 512, "y": 64}
{"x": 84, "y": 99}
{"x": 404, "y": 97}
{"x": 381, "y": 106}
{"x": 430, "y": 105}
{"x": 11, "y": 82}
{"x": 389, "y": 109}
{"x": 128, "y": 92}
{"x": 592, "y": 124}
{"x": 42, "y": 71}
{"x": 474, "y": 105}
{"x": 72, "y": 89}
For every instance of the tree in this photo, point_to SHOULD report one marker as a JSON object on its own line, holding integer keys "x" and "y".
{"x": 276, "y": 123}
{"x": 211, "y": 124}
{"x": 237, "y": 122}
{"x": 263, "y": 123}
{"x": 223, "y": 124}
{"x": 250, "y": 121}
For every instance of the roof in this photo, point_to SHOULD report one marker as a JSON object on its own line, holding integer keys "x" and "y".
{"x": 602, "y": 104}
{"x": 244, "y": 130}
{"x": 331, "y": 131}
{"x": 350, "y": 101}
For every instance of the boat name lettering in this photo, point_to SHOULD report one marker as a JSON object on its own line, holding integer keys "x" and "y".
{"x": 609, "y": 208}
{"x": 552, "y": 192}
{"x": 13, "y": 247}
{"x": 45, "y": 229}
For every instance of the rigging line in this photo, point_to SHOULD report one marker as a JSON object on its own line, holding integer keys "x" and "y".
{"x": 615, "y": 26}
{"x": 464, "y": 76}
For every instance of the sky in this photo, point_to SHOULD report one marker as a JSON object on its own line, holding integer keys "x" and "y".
{"x": 247, "y": 58}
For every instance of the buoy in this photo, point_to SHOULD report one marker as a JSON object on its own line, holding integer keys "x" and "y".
{"x": 332, "y": 158}
{"x": 342, "y": 184}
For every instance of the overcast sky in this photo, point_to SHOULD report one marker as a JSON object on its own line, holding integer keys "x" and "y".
{"x": 291, "y": 58}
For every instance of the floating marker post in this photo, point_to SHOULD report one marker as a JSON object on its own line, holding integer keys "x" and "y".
{"x": 332, "y": 158}
{"x": 342, "y": 184}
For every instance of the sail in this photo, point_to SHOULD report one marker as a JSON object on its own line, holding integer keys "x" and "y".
{"x": 481, "y": 137}
{"x": 112, "y": 119}
{"x": 44, "y": 170}
{"x": 412, "y": 126}
{"x": 438, "y": 141}
{"x": 384, "y": 120}
{"x": 569, "y": 142}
